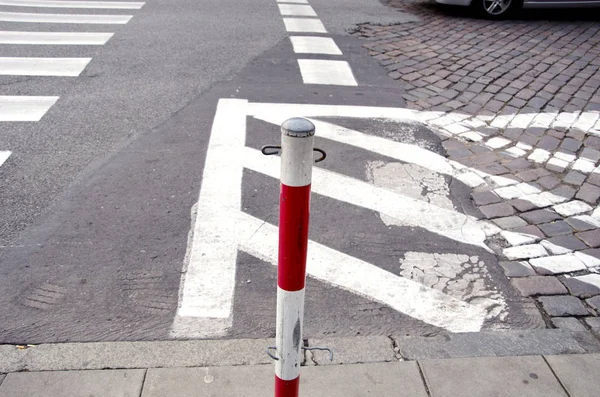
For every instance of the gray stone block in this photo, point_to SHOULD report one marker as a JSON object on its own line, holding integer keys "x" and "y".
{"x": 548, "y": 143}
{"x": 549, "y": 182}
{"x": 509, "y": 222}
{"x": 568, "y": 324}
{"x": 539, "y": 285}
{"x": 485, "y": 198}
{"x": 594, "y": 303}
{"x": 497, "y": 210}
{"x": 591, "y": 237}
{"x": 493, "y": 343}
{"x": 571, "y": 144}
{"x": 574, "y": 178}
{"x": 562, "y": 306}
{"x": 557, "y": 228}
{"x": 579, "y": 374}
{"x": 588, "y": 193}
{"x": 583, "y": 286}
{"x": 115, "y": 383}
{"x": 2, "y": 376}
{"x": 517, "y": 269}
{"x": 365, "y": 349}
{"x": 593, "y": 323}
{"x": 568, "y": 242}
{"x": 491, "y": 376}
{"x": 540, "y": 216}
{"x": 582, "y": 223}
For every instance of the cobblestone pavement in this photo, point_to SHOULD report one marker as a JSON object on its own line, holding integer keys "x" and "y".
{"x": 517, "y": 104}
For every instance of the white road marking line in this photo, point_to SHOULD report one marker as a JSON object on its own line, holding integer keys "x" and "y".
{"x": 64, "y": 18}
{"x": 297, "y": 10}
{"x": 409, "y": 211}
{"x": 54, "y": 38}
{"x": 209, "y": 280}
{"x": 25, "y": 108}
{"x": 318, "y": 71}
{"x": 293, "y": 1}
{"x": 74, "y": 4}
{"x": 304, "y": 25}
{"x": 406, "y": 296}
{"x": 42, "y": 66}
{"x": 4, "y": 155}
{"x": 314, "y": 45}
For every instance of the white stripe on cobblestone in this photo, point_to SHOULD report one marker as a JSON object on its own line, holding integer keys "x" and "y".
{"x": 25, "y": 108}
{"x": 326, "y": 72}
{"x": 304, "y": 25}
{"x": 315, "y": 45}
{"x": 4, "y": 155}
{"x": 54, "y": 38}
{"x": 74, "y": 4}
{"x": 557, "y": 264}
{"x": 297, "y": 10}
{"x": 43, "y": 66}
{"x": 64, "y": 18}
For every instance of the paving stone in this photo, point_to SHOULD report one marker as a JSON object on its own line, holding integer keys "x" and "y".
{"x": 517, "y": 269}
{"x": 539, "y": 285}
{"x": 562, "y": 193}
{"x": 583, "y": 222}
{"x": 525, "y": 252}
{"x": 548, "y": 143}
{"x": 590, "y": 257}
{"x": 563, "y": 244}
{"x": 509, "y": 222}
{"x": 523, "y": 204}
{"x": 571, "y": 144}
{"x": 556, "y": 228}
{"x": 557, "y": 264}
{"x": 539, "y": 156}
{"x": 571, "y": 208}
{"x": 557, "y": 165}
{"x": 567, "y": 156}
{"x": 593, "y": 323}
{"x": 485, "y": 198}
{"x": 549, "y": 182}
{"x": 583, "y": 286}
{"x": 530, "y": 175}
{"x": 594, "y": 303}
{"x": 589, "y": 193}
{"x": 591, "y": 237}
{"x": 591, "y": 154}
{"x": 574, "y": 178}
{"x": 562, "y": 306}
{"x": 540, "y": 216}
{"x": 516, "y": 239}
{"x": 583, "y": 165}
{"x": 497, "y": 142}
{"x": 569, "y": 324}
{"x": 497, "y": 210}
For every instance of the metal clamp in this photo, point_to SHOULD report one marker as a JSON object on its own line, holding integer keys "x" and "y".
{"x": 269, "y": 150}
{"x": 268, "y": 350}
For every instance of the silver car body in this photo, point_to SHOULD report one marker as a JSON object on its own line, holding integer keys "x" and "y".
{"x": 536, "y": 3}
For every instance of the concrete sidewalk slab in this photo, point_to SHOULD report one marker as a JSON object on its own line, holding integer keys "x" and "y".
{"x": 366, "y": 349}
{"x": 380, "y": 379}
{"x": 115, "y": 383}
{"x": 492, "y": 376}
{"x": 579, "y": 374}
{"x": 497, "y": 344}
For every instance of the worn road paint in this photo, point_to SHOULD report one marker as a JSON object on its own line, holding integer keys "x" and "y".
{"x": 64, "y": 18}
{"x": 25, "y": 108}
{"x": 123, "y": 5}
{"x": 314, "y": 45}
{"x": 54, "y": 38}
{"x": 42, "y": 66}
{"x": 304, "y": 25}
{"x": 326, "y": 72}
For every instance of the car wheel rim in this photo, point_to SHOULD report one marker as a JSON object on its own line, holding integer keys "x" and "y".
{"x": 496, "y": 7}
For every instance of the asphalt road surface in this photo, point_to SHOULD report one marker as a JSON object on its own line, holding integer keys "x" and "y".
{"x": 108, "y": 230}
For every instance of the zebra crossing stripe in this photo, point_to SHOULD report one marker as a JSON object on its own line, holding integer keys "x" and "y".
{"x": 117, "y": 5}
{"x": 54, "y": 38}
{"x": 304, "y": 25}
{"x": 4, "y": 155}
{"x": 326, "y": 72}
{"x": 42, "y": 66}
{"x": 314, "y": 45}
{"x": 25, "y": 108}
{"x": 64, "y": 18}
{"x": 297, "y": 10}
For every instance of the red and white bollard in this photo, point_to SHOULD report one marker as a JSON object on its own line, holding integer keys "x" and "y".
{"x": 297, "y": 143}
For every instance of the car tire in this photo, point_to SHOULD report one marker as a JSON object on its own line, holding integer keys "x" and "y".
{"x": 496, "y": 9}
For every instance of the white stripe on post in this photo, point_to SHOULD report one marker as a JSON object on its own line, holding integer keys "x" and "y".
{"x": 297, "y": 163}
{"x": 64, "y": 18}
{"x": 290, "y": 314}
{"x": 54, "y": 38}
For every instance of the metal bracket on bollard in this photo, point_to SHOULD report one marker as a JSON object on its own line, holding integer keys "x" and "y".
{"x": 269, "y": 150}
{"x": 330, "y": 351}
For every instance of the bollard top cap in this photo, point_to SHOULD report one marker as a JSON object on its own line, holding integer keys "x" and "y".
{"x": 298, "y": 127}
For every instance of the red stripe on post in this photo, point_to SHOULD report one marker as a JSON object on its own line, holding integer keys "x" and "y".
{"x": 287, "y": 388}
{"x": 293, "y": 236}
